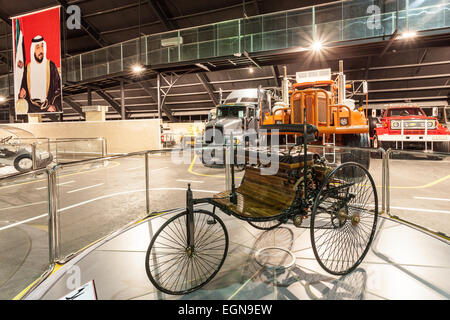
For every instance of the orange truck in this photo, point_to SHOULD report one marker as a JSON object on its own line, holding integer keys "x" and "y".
{"x": 337, "y": 119}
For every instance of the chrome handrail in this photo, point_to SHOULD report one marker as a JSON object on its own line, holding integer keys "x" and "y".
{"x": 388, "y": 190}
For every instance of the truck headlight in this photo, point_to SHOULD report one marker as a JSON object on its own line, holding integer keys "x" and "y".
{"x": 344, "y": 121}
{"x": 431, "y": 124}
{"x": 395, "y": 124}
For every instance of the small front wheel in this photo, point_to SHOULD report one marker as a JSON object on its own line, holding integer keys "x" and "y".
{"x": 175, "y": 268}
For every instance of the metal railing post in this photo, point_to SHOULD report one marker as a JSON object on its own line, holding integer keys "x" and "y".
{"x": 53, "y": 228}
{"x": 56, "y": 152}
{"x": 383, "y": 180}
{"x": 121, "y": 56}
{"x": 227, "y": 168}
{"x": 104, "y": 150}
{"x": 33, "y": 155}
{"x": 387, "y": 182}
{"x": 147, "y": 184}
{"x": 81, "y": 69}
{"x": 179, "y": 45}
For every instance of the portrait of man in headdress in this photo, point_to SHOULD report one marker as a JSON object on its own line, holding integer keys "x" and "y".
{"x": 41, "y": 82}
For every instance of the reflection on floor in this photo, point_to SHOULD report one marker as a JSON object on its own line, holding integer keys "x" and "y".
{"x": 7, "y": 170}
{"x": 403, "y": 264}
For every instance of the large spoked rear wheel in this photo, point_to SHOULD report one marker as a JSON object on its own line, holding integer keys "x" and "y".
{"x": 173, "y": 267}
{"x": 344, "y": 218}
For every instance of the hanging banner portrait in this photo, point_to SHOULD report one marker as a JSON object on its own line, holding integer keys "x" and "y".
{"x": 37, "y": 62}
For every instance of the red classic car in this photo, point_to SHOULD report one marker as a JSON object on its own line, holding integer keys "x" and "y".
{"x": 408, "y": 127}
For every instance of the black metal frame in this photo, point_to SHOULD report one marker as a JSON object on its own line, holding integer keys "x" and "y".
{"x": 309, "y": 134}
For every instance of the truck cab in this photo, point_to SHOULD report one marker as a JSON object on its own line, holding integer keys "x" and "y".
{"x": 409, "y": 127}
{"x": 237, "y": 116}
{"x": 443, "y": 115}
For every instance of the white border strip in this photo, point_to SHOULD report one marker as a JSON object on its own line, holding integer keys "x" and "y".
{"x": 33, "y": 12}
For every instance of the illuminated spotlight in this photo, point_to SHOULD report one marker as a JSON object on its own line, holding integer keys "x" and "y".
{"x": 250, "y": 70}
{"x": 408, "y": 35}
{"x": 2, "y": 99}
{"x": 138, "y": 69}
{"x": 317, "y": 45}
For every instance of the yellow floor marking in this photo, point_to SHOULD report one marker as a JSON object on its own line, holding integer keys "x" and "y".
{"x": 201, "y": 174}
{"x": 391, "y": 187}
{"x": 425, "y": 185}
{"x": 204, "y": 174}
{"x": 24, "y": 291}
{"x": 42, "y": 227}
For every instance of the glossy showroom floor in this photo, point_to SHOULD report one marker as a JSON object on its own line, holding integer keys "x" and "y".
{"x": 403, "y": 263}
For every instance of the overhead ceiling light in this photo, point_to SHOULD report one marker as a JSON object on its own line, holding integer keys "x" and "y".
{"x": 251, "y": 70}
{"x": 408, "y": 35}
{"x": 2, "y": 99}
{"x": 138, "y": 68}
{"x": 317, "y": 45}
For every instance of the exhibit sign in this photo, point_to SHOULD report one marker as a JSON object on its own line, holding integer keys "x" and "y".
{"x": 37, "y": 62}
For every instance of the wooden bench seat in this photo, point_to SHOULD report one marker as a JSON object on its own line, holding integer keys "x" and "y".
{"x": 260, "y": 196}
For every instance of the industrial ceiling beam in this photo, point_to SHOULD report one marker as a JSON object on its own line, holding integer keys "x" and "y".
{"x": 420, "y": 61}
{"x": 276, "y": 76}
{"x": 257, "y": 7}
{"x": 108, "y": 98}
{"x": 251, "y": 59}
{"x": 4, "y": 59}
{"x": 161, "y": 11}
{"x": 407, "y": 98}
{"x": 430, "y": 76}
{"x": 209, "y": 89}
{"x": 369, "y": 62}
{"x": 153, "y": 93}
{"x": 425, "y": 64}
{"x": 388, "y": 45}
{"x": 5, "y": 17}
{"x": 411, "y": 89}
{"x": 170, "y": 20}
{"x": 87, "y": 27}
{"x": 53, "y": 117}
{"x": 75, "y": 106}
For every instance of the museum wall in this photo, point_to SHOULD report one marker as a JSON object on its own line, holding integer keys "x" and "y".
{"x": 122, "y": 136}
{"x": 185, "y": 127}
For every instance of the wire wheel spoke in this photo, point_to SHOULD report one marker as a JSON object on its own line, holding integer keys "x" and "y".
{"x": 344, "y": 218}
{"x": 175, "y": 268}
